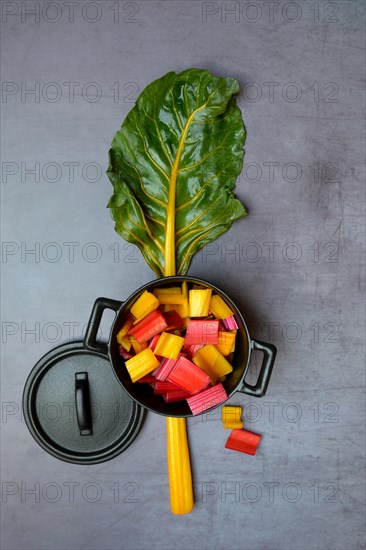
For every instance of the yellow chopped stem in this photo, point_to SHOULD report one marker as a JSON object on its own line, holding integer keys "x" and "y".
{"x": 169, "y": 345}
{"x": 122, "y": 333}
{"x": 203, "y": 366}
{"x": 145, "y": 304}
{"x": 141, "y": 364}
{"x": 179, "y": 467}
{"x": 170, "y": 290}
{"x": 125, "y": 342}
{"x": 219, "y": 308}
{"x": 137, "y": 347}
{"x": 231, "y": 415}
{"x": 233, "y": 426}
{"x": 170, "y": 307}
{"x": 214, "y": 360}
{"x": 171, "y": 299}
{"x": 221, "y": 366}
{"x": 199, "y": 302}
{"x": 185, "y": 307}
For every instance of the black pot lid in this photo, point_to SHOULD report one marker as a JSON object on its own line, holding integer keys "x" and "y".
{"x": 76, "y": 409}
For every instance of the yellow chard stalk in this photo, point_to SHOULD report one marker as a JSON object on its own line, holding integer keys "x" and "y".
{"x": 173, "y": 165}
{"x": 179, "y": 464}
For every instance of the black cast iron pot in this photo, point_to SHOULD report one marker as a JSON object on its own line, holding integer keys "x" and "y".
{"x": 142, "y": 393}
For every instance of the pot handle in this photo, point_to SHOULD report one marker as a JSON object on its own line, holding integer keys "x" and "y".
{"x": 269, "y": 352}
{"x": 99, "y": 306}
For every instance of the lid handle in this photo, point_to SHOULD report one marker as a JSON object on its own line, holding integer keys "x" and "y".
{"x": 82, "y": 402}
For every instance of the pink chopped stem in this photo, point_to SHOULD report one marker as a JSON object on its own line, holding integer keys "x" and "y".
{"x": 148, "y": 327}
{"x": 192, "y": 349}
{"x": 207, "y": 399}
{"x": 188, "y": 376}
{"x": 147, "y": 379}
{"x": 230, "y": 323}
{"x": 125, "y": 354}
{"x": 166, "y": 367}
{"x": 202, "y": 332}
{"x": 173, "y": 320}
{"x": 175, "y": 395}
{"x": 130, "y": 317}
{"x": 154, "y": 341}
{"x": 161, "y": 388}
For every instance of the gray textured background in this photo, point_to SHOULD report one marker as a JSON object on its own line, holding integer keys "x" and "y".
{"x": 303, "y": 184}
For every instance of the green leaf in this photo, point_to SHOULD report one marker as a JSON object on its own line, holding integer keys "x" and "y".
{"x": 173, "y": 166}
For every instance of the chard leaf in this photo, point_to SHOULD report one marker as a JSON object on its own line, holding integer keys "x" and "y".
{"x": 173, "y": 165}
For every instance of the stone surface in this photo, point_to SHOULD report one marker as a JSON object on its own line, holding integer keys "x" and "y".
{"x": 294, "y": 265}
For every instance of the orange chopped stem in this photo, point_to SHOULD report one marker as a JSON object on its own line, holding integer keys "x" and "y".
{"x": 226, "y": 342}
{"x": 233, "y": 346}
